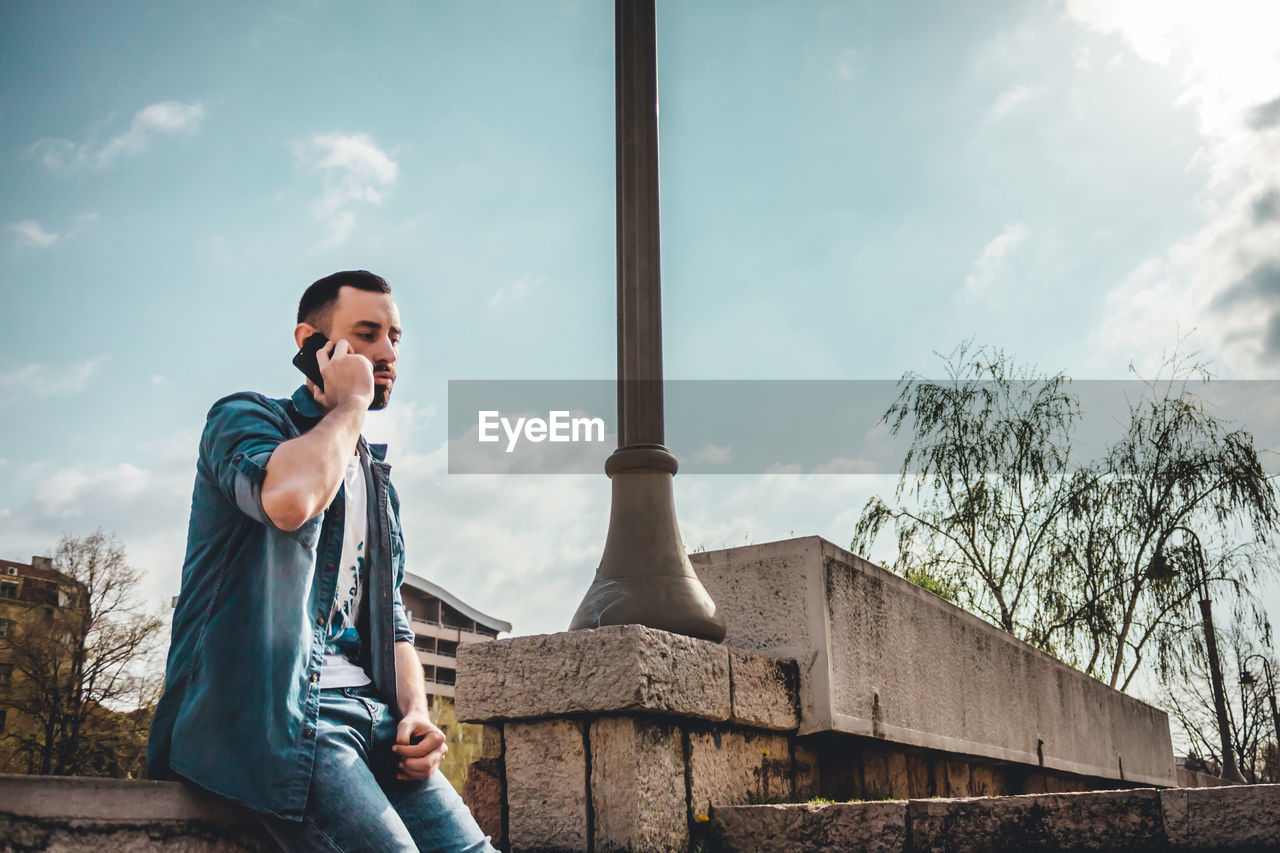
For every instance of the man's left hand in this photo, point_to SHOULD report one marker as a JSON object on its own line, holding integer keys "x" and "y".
{"x": 418, "y": 760}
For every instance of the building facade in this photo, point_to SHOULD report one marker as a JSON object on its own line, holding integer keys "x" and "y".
{"x": 33, "y": 599}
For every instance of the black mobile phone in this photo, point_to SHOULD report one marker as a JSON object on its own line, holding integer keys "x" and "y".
{"x": 306, "y": 361}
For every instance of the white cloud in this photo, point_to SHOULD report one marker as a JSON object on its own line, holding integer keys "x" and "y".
{"x": 1222, "y": 279}
{"x": 982, "y": 277}
{"x": 1010, "y": 99}
{"x": 29, "y": 233}
{"x": 710, "y": 454}
{"x": 355, "y": 171}
{"x": 168, "y": 118}
{"x": 515, "y": 291}
{"x": 44, "y": 380}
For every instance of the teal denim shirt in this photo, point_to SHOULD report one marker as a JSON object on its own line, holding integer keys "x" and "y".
{"x": 238, "y": 714}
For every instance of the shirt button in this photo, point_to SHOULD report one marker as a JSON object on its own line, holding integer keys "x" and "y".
{"x": 308, "y": 733}
{"x": 329, "y": 567}
{"x": 315, "y": 676}
{"x": 320, "y": 621}
{"x": 239, "y": 456}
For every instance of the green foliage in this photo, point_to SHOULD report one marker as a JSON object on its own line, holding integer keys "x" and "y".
{"x": 920, "y": 576}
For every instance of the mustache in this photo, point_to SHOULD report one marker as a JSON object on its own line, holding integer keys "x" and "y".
{"x": 384, "y": 367}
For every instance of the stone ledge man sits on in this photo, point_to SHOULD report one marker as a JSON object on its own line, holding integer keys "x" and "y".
{"x": 292, "y": 685}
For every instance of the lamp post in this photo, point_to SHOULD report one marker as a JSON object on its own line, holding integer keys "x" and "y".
{"x": 1230, "y": 771}
{"x": 644, "y": 576}
{"x": 1248, "y": 681}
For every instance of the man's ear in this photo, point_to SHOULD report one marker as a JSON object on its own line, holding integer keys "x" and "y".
{"x": 302, "y": 331}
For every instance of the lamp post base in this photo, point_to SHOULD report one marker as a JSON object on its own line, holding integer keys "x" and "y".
{"x": 645, "y": 577}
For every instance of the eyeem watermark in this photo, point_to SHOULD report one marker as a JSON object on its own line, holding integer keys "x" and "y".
{"x": 558, "y": 427}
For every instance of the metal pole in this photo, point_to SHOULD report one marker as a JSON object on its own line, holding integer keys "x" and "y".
{"x": 644, "y": 576}
{"x": 1230, "y": 772}
{"x": 1271, "y": 694}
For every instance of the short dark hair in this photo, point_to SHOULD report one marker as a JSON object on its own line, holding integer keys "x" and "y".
{"x": 320, "y": 296}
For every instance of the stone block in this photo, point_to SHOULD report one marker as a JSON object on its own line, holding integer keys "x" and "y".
{"x": 1238, "y": 817}
{"x": 957, "y": 776}
{"x": 638, "y": 785}
{"x": 764, "y": 691}
{"x": 737, "y": 766}
{"x": 918, "y": 777}
{"x": 620, "y": 668}
{"x": 879, "y": 827}
{"x": 483, "y": 793}
{"x": 491, "y": 741}
{"x": 1100, "y": 820}
{"x": 546, "y": 774}
{"x": 805, "y": 776}
{"x": 985, "y": 781}
{"x": 875, "y": 776}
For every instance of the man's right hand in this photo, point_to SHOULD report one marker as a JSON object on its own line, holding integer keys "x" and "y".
{"x": 348, "y": 377}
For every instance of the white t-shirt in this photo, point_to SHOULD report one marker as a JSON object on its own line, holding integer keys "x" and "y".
{"x": 343, "y": 644}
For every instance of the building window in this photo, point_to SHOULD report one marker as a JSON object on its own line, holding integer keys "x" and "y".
{"x": 6, "y": 627}
{"x": 4, "y": 712}
{"x": 6, "y": 674}
{"x": 8, "y": 590}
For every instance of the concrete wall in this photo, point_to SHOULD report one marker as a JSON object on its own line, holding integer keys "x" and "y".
{"x": 64, "y": 814}
{"x": 882, "y": 658}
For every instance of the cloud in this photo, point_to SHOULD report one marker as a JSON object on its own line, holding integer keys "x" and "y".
{"x": 981, "y": 279}
{"x": 43, "y": 380}
{"x": 1009, "y": 99}
{"x": 29, "y": 233}
{"x": 168, "y": 118}
{"x": 515, "y": 291}
{"x": 355, "y": 171}
{"x": 1265, "y": 115}
{"x": 1223, "y": 61}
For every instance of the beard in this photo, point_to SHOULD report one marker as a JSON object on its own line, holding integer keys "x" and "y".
{"x": 381, "y": 396}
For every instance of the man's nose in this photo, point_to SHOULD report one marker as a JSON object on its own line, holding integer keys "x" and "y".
{"x": 386, "y": 352}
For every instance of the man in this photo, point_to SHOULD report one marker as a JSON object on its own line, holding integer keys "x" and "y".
{"x": 292, "y": 685}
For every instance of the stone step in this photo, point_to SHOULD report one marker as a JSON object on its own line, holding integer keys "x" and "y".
{"x": 1238, "y": 818}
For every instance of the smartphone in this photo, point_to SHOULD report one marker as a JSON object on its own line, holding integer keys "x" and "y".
{"x": 306, "y": 361}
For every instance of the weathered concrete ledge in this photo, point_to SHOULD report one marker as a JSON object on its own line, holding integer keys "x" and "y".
{"x": 1238, "y": 818}
{"x": 882, "y": 658}
{"x": 623, "y": 669}
{"x": 103, "y": 815}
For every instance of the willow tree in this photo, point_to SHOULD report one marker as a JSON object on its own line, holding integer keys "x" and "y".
{"x": 1179, "y": 509}
{"x": 984, "y": 486}
{"x": 1100, "y": 562}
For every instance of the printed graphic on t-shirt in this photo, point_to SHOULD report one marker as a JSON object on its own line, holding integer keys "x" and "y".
{"x": 343, "y": 636}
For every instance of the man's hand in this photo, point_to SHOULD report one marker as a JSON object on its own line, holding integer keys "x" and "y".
{"x": 418, "y": 760}
{"x": 348, "y": 377}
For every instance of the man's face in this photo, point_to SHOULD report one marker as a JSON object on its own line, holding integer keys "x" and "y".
{"x": 370, "y": 323}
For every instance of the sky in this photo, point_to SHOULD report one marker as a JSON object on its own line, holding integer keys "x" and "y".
{"x": 848, "y": 188}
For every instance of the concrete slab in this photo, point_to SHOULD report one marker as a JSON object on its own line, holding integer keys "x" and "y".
{"x": 880, "y": 657}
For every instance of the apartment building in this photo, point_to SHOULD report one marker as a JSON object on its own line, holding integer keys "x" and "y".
{"x": 441, "y": 622}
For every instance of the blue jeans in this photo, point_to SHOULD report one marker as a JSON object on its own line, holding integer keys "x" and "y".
{"x": 356, "y": 802}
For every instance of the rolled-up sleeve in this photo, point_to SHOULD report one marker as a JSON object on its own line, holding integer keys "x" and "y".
{"x": 241, "y": 433}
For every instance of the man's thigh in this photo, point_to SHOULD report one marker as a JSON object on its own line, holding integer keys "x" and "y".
{"x": 356, "y": 803}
